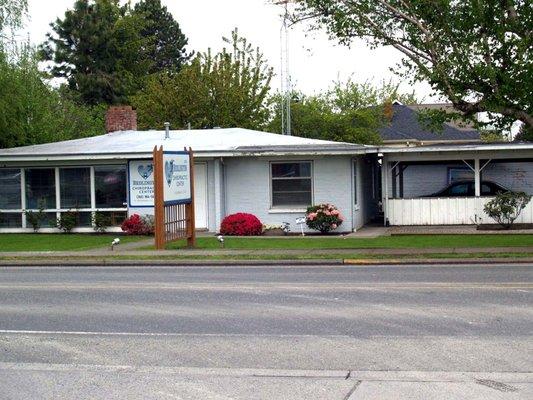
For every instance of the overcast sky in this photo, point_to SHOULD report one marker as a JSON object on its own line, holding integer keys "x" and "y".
{"x": 315, "y": 61}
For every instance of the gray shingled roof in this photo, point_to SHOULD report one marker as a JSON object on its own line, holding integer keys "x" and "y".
{"x": 405, "y": 126}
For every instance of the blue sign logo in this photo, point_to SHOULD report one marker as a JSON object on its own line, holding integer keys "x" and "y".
{"x": 169, "y": 170}
{"x": 145, "y": 170}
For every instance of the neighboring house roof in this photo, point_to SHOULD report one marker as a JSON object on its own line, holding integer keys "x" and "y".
{"x": 405, "y": 127}
{"x": 204, "y": 142}
{"x": 446, "y": 107}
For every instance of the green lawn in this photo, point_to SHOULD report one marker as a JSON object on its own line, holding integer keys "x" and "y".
{"x": 337, "y": 242}
{"x": 58, "y": 242}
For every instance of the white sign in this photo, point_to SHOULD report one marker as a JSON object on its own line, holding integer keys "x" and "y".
{"x": 177, "y": 178}
{"x": 141, "y": 183}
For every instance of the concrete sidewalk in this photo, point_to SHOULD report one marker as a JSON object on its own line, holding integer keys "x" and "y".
{"x": 21, "y": 381}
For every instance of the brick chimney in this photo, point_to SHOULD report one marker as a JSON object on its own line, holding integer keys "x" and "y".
{"x": 120, "y": 118}
{"x": 388, "y": 110}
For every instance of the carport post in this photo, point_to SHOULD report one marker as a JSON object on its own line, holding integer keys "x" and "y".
{"x": 477, "y": 177}
{"x": 385, "y": 188}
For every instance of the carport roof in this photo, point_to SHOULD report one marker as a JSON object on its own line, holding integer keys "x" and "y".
{"x": 204, "y": 142}
{"x": 461, "y": 148}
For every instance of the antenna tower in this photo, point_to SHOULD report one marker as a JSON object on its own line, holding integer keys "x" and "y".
{"x": 285, "y": 74}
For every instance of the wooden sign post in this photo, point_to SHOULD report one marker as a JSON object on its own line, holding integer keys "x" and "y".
{"x": 174, "y": 197}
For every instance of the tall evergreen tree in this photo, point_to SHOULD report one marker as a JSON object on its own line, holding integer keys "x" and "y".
{"x": 165, "y": 40}
{"x": 97, "y": 47}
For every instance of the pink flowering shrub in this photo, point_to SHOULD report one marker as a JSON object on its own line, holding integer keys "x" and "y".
{"x": 323, "y": 217}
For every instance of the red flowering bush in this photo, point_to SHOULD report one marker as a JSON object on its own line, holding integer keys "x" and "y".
{"x": 241, "y": 224}
{"x": 137, "y": 225}
{"x": 323, "y": 217}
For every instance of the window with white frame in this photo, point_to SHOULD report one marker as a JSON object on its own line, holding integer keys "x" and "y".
{"x": 291, "y": 184}
{"x": 110, "y": 186}
{"x": 40, "y": 188}
{"x": 85, "y": 190}
{"x": 10, "y": 183}
{"x": 355, "y": 182}
{"x": 75, "y": 185}
{"x": 10, "y": 198}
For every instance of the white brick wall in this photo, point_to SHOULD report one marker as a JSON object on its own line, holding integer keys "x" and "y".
{"x": 248, "y": 187}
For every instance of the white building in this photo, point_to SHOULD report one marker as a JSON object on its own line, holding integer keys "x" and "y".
{"x": 272, "y": 176}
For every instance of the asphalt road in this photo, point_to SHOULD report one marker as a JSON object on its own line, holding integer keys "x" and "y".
{"x": 335, "y": 332}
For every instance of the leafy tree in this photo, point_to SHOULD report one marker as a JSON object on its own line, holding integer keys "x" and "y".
{"x": 33, "y": 112}
{"x": 227, "y": 89}
{"x": 478, "y": 53}
{"x": 350, "y": 95}
{"x": 12, "y": 13}
{"x": 165, "y": 41}
{"x": 98, "y": 48}
{"x": 347, "y": 112}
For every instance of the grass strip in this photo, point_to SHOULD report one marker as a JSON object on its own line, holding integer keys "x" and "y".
{"x": 282, "y": 257}
{"x": 339, "y": 242}
{"x": 59, "y": 242}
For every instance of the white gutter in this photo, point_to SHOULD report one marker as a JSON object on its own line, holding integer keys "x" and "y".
{"x": 140, "y": 156}
{"x": 459, "y": 148}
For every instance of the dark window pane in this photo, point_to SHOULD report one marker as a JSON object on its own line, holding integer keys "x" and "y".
{"x": 84, "y": 219}
{"x": 116, "y": 218}
{"x": 49, "y": 221}
{"x": 486, "y": 190}
{"x": 10, "y": 220}
{"x": 75, "y": 184}
{"x": 291, "y": 199}
{"x": 10, "y": 193}
{"x": 461, "y": 189}
{"x": 291, "y": 185}
{"x": 40, "y": 188}
{"x": 110, "y": 186}
{"x": 291, "y": 170}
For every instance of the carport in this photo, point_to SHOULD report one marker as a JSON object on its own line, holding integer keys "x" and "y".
{"x": 411, "y": 176}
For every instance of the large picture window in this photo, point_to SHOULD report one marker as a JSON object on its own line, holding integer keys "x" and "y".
{"x": 291, "y": 184}
{"x": 110, "y": 186}
{"x": 75, "y": 184}
{"x": 40, "y": 188}
{"x": 10, "y": 189}
{"x": 84, "y": 189}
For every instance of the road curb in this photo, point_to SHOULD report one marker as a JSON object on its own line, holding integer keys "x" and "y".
{"x": 445, "y": 261}
{"x": 165, "y": 263}
{"x": 321, "y": 262}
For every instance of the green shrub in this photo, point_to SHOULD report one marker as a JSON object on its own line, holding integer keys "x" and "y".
{"x": 67, "y": 221}
{"x": 101, "y": 222}
{"x": 506, "y": 207}
{"x": 36, "y": 218}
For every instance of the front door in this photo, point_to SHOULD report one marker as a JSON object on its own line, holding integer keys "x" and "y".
{"x": 200, "y": 195}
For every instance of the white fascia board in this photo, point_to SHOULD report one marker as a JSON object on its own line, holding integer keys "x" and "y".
{"x": 460, "y": 155}
{"x": 140, "y": 156}
{"x": 459, "y": 148}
